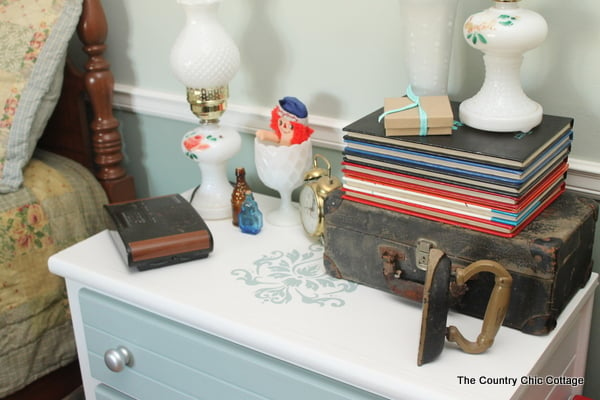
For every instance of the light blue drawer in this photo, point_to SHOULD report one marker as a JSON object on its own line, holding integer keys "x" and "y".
{"x": 103, "y": 392}
{"x": 173, "y": 361}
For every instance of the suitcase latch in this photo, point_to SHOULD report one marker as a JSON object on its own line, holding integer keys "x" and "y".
{"x": 423, "y": 248}
{"x": 395, "y": 278}
{"x": 391, "y": 261}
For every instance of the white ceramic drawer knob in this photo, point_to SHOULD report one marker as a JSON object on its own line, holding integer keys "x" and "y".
{"x": 117, "y": 359}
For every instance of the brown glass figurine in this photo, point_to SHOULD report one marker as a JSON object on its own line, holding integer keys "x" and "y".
{"x": 239, "y": 194}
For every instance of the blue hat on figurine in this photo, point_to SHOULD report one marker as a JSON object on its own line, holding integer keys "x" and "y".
{"x": 293, "y": 106}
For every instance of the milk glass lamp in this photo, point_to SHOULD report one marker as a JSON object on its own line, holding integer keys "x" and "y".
{"x": 205, "y": 59}
{"x": 503, "y": 32}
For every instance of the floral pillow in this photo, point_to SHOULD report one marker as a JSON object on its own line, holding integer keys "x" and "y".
{"x": 34, "y": 36}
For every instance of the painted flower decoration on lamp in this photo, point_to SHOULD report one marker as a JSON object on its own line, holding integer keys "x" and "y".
{"x": 194, "y": 142}
{"x": 475, "y": 32}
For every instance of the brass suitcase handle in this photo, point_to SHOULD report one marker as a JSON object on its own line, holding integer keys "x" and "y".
{"x": 496, "y": 308}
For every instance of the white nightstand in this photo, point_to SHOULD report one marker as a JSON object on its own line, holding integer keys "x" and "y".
{"x": 260, "y": 319}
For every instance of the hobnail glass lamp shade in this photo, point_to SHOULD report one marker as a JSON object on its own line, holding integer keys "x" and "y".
{"x": 203, "y": 55}
{"x": 503, "y": 33}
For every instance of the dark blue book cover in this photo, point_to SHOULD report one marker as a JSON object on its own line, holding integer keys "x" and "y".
{"x": 515, "y": 150}
{"x": 445, "y": 165}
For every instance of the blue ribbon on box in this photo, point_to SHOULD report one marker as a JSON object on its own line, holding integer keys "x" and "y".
{"x": 416, "y": 103}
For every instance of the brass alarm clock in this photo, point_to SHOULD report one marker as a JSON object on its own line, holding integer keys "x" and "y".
{"x": 318, "y": 183}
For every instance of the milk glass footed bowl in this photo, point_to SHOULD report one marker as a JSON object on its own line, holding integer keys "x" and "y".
{"x": 282, "y": 168}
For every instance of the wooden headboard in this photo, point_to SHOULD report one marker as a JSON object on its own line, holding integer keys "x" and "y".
{"x": 83, "y": 127}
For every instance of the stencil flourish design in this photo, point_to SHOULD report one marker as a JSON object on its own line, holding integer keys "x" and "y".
{"x": 281, "y": 277}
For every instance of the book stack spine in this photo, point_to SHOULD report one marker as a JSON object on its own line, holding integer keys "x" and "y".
{"x": 470, "y": 178}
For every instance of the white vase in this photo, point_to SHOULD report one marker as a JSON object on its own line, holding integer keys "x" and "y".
{"x": 428, "y": 26}
{"x": 503, "y": 33}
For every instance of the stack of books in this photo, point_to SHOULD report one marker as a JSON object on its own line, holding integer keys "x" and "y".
{"x": 487, "y": 181}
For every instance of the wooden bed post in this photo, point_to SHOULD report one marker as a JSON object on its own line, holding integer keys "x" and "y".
{"x": 99, "y": 82}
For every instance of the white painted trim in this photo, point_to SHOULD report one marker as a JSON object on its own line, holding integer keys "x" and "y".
{"x": 583, "y": 176}
{"x": 328, "y": 131}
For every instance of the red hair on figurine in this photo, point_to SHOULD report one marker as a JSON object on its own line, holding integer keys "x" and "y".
{"x": 289, "y": 121}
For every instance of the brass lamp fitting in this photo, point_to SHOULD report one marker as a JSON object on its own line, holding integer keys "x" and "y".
{"x": 208, "y": 104}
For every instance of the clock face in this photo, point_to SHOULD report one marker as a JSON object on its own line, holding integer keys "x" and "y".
{"x": 310, "y": 211}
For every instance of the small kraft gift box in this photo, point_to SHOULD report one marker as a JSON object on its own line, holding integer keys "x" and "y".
{"x": 428, "y": 115}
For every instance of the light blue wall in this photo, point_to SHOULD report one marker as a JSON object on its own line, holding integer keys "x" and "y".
{"x": 153, "y": 156}
{"x": 342, "y": 57}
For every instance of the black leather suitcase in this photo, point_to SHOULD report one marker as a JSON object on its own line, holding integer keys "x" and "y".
{"x": 548, "y": 261}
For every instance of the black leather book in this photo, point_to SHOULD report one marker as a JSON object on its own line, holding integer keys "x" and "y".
{"x": 516, "y": 150}
{"x": 159, "y": 231}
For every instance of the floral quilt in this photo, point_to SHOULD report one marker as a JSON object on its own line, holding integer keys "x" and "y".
{"x": 59, "y": 205}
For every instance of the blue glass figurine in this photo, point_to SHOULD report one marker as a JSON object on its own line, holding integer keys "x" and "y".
{"x": 250, "y": 218}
